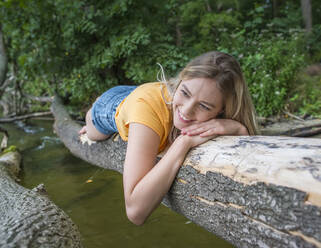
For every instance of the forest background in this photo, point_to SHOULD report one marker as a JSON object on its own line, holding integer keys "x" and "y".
{"x": 81, "y": 48}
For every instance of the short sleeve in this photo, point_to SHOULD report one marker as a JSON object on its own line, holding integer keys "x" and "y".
{"x": 142, "y": 112}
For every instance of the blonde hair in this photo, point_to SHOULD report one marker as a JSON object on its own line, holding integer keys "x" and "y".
{"x": 226, "y": 72}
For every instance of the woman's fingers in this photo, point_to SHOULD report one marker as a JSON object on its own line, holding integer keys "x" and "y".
{"x": 209, "y": 132}
{"x": 207, "y": 128}
{"x": 215, "y": 127}
{"x": 194, "y": 129}
{"x": 197, "y": 139}
{"x": 83, "y": 130}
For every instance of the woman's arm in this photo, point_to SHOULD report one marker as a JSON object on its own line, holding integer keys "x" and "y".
{"x": 145, "y": 183}
{"x": 216, "y": 127}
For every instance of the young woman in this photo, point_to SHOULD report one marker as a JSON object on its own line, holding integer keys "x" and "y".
{"x": 208, "y": 98}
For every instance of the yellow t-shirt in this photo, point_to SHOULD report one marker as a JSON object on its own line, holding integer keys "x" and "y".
{"x": 146, "y": 105}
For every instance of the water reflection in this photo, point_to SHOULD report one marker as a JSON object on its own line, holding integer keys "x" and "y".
{"x": 93, "y": 197}
{"x": 28, "y": 128}
{"x": 47, "y": 141}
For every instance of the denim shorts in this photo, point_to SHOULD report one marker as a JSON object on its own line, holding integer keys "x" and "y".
{"x": 104, "y": 109}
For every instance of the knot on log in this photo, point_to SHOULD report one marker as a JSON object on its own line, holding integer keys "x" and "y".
{"x": 40, "y": 189}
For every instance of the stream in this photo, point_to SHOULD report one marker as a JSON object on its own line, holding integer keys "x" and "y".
{"x": 93, "y": 197}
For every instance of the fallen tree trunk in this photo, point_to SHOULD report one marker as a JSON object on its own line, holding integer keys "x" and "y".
{"x": 293, "y": 128}
{"x": 27, "y": 217}
{"x": 252, "y": 191}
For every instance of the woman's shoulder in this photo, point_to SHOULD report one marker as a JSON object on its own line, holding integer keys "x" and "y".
{"x": 151, "y": 86}
{"x": 155, "y": 90}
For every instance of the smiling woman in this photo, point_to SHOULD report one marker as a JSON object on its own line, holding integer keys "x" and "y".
{"x": 197, "y": 100}
{"x": 208, "y": 98}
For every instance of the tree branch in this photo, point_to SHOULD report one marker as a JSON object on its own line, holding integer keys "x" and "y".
{"x": 4, "y": 142}
{"x": 22, "y": 117}
{"x": 38, "y": 98}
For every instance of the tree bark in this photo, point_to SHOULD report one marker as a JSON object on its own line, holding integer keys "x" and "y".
{"x": 252, "y": 191}
{"x": 27, "y": 217}
{"x": 307, "y": 14}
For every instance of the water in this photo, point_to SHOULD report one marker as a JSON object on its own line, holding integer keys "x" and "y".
{"x": 97, "y": 207}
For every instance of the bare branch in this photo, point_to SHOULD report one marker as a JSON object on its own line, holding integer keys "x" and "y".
{"x": 5, "y": 107}
{"x": 6, "y": 83}
{"x": 4, "y": 142}
{"x": 38, "y": 98}
{"x": 23, "y": 117}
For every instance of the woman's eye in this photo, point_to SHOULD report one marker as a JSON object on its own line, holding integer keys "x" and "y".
{"x": 184, "y": 93}
{"x": 204, "y": 107}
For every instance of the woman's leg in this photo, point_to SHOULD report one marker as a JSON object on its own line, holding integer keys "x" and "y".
{"x": 100, "y": 119}
{"x": 92, "y": 133}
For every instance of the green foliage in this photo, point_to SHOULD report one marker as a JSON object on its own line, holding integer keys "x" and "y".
{"x": 313, "y": 44}
{"x": 81, "y": 48}
{"x": 9, "y": 149}
{"x": 270, "y": 73}
{"x": 305, "y": 96}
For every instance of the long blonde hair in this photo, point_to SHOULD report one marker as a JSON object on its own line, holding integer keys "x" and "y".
{"x": 226, "y": 72}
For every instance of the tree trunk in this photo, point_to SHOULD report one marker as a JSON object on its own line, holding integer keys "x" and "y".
{"x": 275, "y": 7}
{"x": 252, "y": 191}
{"x": 293, "y": 128}
{"x": 178, "y": 35}
{"x": 307, "y": 14}
{"x": 3, "y": 59}
{"x": 27, "y": 217}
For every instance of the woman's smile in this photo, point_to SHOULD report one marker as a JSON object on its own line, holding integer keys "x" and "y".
{"x": 183, "y": 118}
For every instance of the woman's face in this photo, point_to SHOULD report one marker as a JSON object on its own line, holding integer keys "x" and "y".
{"x": 196, "y": 100}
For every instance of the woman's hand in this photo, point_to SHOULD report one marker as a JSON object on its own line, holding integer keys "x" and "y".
{"x": 215, "y": 127}
{"x": 195, "y": 140}
{"x": 83, "y": 130}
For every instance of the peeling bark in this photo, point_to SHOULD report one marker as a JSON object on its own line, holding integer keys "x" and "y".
{"x": 27, "y": 217}
{"x": 251, "y": 191}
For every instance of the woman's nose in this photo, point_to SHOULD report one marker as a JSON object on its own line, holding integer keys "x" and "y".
{"x": 188, "y": 109}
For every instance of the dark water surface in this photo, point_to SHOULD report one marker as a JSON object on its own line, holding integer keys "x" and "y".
{"x": 97, "y": 207}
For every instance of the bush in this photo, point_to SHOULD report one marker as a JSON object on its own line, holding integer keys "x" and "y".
{"x": 271, "y": 71}
{"x": 304, "y": 98}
